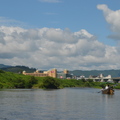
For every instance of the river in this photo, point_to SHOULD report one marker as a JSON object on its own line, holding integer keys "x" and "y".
{"x": 62, "y": 104}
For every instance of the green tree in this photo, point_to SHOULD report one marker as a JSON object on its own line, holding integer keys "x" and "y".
{"x": 1, "y": 71}
{"x": 1, "y": 86}
{"x": 51, "y": 83}
{"x": 19, "y": 83}
{"x": 90, "y": 80}
{"x": 83, "y": 80}
{"x": 30, "y": 82}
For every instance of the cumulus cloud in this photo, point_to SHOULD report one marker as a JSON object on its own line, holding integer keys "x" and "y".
{"x": 113, "y": 19}
{"x": 48, "y": 48}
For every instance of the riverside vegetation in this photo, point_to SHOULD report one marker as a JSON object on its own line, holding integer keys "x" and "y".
{"x": 11, "y": 80}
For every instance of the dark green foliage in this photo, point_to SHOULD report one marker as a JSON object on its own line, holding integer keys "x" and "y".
{"x": 83, "y": 80}
{"x": 1, "y": 86}
{"x": 90, "y": 80}
{"x": 30, "y": 82}
{"x": 1, "y": 71}
{"x": 19, "y": 83}
{"x": 51, "y": 83}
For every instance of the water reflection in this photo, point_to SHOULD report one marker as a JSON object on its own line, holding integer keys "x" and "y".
{"x": 63, "y": 104}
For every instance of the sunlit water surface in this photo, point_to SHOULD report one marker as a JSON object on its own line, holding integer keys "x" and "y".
{"x": 62, "y": 104}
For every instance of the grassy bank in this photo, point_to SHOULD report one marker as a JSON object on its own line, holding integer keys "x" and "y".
{"x": 48, "y": 82}
{"x": 12, "y": 80}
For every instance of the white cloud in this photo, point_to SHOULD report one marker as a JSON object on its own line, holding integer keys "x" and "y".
{"x": 47, "y": 48}
{"x": 113, "y": 19}
{"x": 50, "y": 1}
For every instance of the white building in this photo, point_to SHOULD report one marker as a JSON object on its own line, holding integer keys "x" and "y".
{"x": 102, "y": 78}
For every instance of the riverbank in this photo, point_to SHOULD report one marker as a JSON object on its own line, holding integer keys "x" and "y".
{"x": 12, "y": 80}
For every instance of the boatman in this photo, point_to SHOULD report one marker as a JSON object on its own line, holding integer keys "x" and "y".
{"x": 107, "y": 86}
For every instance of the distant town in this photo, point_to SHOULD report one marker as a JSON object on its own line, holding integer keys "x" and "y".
{"x": 95, "y": 75}
{"x": 66, "y": 75}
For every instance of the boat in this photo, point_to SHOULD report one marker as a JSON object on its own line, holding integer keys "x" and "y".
{"x": 108, "y": 91}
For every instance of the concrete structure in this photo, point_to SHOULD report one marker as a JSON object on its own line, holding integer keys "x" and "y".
{"x": 81, "y": 77}
{"x": 116, "y": 79}
{"x": 52, "y": 73}
{"x": 102, "y": 78}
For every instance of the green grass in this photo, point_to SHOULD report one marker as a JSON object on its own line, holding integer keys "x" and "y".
{"x": 13, "y": 80}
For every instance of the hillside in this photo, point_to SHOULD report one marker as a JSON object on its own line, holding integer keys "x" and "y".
{"x": 4, "y": 66}
{"x": 16, "y": 69}
{"x": 13, "y": 80}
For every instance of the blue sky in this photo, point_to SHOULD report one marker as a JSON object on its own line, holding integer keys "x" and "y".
{"x": 50, "y": 30}
{"x": 72, "y": 14}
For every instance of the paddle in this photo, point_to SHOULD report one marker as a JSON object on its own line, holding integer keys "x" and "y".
{"x": 99, "y": 91}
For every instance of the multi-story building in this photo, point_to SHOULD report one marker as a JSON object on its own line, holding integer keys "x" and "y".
{"x": 52, "y": 73}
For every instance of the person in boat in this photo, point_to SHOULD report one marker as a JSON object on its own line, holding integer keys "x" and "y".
{"x": 107, "y": 86}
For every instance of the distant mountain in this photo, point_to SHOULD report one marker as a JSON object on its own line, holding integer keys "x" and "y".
{"x": 17, "y": 69}
{"x": 4, "y": 66}
{"x": 113, "y": 73}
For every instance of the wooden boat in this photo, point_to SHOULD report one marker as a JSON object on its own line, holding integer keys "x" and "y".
{"x": 108, "y": 91}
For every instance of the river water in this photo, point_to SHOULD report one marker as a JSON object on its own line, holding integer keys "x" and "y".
{"x": 62, "y": 104}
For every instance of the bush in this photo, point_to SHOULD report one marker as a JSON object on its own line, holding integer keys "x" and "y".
{"x": 1, "y": 86}
{"x": 90, "y": 80}
{"x": 30, "y": 82}
{"x": 1, "y": 71}
{"x": 88, "y": 84}
{"x": 19, "y": 83}
{"x": 51, "y": 83}
{"x": 83, "y": 80}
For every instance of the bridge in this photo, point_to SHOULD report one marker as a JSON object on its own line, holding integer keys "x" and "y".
{"x": 102, "y": 78}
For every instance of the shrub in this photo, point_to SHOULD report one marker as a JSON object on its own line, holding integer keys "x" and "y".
{"x": 30, "y": 82}
{"x": 19, "y": 83}
{"x": 90, "y": 80}
{"x": 51, "y": 83}
{"x": 1, "y": 71}
{"x": 1, "y": 86}
{"x": 83, "y": 80}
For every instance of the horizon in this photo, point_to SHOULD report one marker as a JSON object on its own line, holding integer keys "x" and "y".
{"x": 54, "y": 68}
{"x": 76, "y": 35}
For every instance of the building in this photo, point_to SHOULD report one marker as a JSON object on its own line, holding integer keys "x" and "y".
{"x": 52, "y": 73}
{"x": 80, "y": 77}
{"x": 64, "y": 75}
{"x": 102, "y": 78}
